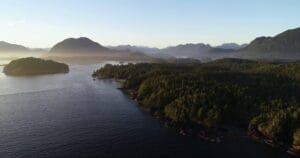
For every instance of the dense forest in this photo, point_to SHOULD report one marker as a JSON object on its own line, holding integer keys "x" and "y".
{"x": 34, "y": 66}
{"x": 262, "y": 97}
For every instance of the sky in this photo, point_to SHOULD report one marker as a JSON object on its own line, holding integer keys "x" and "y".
{"x": 154, "y": 23}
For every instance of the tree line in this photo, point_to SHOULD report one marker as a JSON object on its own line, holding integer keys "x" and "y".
{"x": 263, "y": 97}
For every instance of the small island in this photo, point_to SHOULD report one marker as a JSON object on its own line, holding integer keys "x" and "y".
{"x": 34, "y": 66}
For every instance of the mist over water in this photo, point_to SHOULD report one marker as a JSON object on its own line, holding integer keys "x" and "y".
{"x": 72, "y": 115}
{"x": 4, "y": 61}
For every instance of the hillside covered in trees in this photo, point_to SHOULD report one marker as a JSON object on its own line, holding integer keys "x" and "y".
{"x": 263, "y": 98}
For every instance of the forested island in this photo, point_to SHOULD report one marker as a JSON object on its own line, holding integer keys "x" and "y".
{"x": 34, "y": 66}
{"x": 202, "y": 99}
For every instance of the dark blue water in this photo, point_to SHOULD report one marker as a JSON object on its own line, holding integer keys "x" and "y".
{"x": 73, "y": 116}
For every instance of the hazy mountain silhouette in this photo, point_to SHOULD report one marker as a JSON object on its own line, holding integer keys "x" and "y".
{"x": 8, "y": 47}
{"x": 183, "y": 51}
{"x": 80, "y": 45}
{"x": 84, "y": 50}
{"x": 284, "y": 45}
{"x": 231, "y": 46}
{"x": 221, "y": 50}
{"x": 153, "y": 52}
{"x": 130, "y": 48}
{"x": 201, "y": 50}
{"x": 187, "y": 50}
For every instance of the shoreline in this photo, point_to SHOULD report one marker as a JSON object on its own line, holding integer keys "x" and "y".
{"x": 214, "y": 135}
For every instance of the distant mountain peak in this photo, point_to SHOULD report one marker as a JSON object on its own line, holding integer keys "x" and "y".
{"x": 82, "y": 46}
{"x": 77, "y": 45}
{"x": 286, "y": 42}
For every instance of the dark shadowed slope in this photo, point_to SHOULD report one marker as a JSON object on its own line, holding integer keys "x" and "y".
{"x": 286, "y": 42}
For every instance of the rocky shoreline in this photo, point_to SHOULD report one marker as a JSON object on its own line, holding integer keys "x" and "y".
{"x": 257, "y": 136}
{"x": 214, "y": 135}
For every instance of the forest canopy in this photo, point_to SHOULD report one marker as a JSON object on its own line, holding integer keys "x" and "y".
{"x": 262, "y": 97}
{"x": 34, "y": 66}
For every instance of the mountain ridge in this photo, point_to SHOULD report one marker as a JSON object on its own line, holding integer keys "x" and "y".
{"x": 285, "y": 42}
{"x": 9, "y": 47}
{"x": 284, "y": 45}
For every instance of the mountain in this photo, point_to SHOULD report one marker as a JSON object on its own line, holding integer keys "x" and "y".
{"x": 187, "y": 50}
{"x": 231, "y": 46}
{"x": 84, "y": 46}
{"x": 7, "y": 47}
{"x": 287, "y": 42}
{"x": 85, "y": 51}
{"x": 181, "y": 51}
{"x": 80, "y": 45}
{"x": 152, "y": 52}
{"x": 200, "y": 51}
{"x": 129, "y": 48}
{"x": 221, "y": 50}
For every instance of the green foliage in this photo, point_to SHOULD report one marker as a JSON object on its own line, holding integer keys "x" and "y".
{"x": 34, "y": 66}
{"x": 278, "y": 125}
{"x": 261, "y": 96}
{"x": 296, "y": 141}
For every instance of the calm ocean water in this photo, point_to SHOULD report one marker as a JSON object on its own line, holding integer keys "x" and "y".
{"x": 73, "y": 116}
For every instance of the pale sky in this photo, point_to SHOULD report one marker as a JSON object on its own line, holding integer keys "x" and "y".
{"x": 156, "y": 23}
